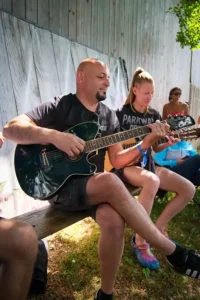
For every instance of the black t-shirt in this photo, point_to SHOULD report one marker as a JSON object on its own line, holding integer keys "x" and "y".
{"x": 130, "y": 118}
{"x": 68, "y": 111}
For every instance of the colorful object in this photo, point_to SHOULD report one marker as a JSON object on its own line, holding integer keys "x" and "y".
{"x": 144, "y": 255}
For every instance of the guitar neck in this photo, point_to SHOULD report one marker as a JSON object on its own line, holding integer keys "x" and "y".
{"x": 165, "y": 140}
{"x": 109, "y": 140}
{"x": 112, "y": 139}
{"x": 161, "y": 141}
{"x": 141, "y": 132}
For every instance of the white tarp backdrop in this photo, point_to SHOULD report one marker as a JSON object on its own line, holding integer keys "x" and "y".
{"x": 37, "y": 65}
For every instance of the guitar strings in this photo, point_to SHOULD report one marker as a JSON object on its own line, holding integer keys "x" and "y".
{"x": 52, "y": 153}
{"x": 58, "y": 152}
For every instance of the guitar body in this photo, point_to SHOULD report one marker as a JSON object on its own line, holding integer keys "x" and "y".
{"x": 43, "y": 169}
{"x": 126, "y": 144}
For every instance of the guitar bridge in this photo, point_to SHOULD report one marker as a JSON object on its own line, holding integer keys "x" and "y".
{"x": 44, "y": 160}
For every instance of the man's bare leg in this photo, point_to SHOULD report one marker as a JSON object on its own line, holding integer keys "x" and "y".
{"x": 18, "y": 250}
{"x": 184, "y": 190}
{"x": 111, "y": 244}
{"x": 107, "y": 187}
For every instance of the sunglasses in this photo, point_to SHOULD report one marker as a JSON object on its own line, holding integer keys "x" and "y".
{"x": 177, "y": 94}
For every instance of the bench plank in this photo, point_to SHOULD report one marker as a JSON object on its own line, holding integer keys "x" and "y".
{"x": 48, "y": 220}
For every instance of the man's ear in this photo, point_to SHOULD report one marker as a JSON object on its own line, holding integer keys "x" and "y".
{"x": 80, "y": 76}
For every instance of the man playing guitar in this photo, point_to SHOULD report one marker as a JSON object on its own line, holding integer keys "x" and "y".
{"x": 103, "y": 193}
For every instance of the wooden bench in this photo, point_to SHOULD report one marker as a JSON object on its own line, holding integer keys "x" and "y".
{"x": 48, "y": 220}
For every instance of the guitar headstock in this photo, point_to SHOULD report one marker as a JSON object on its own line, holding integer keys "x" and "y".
{"x": 180, "y": 122}
{"x": 191, "y": 134}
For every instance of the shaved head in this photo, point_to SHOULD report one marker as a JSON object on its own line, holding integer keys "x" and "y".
{"x": 89, "y": 63}
{"x": 92, "y": 79}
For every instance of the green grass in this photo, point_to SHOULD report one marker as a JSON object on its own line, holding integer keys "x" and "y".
{"x": 74, "y": 267}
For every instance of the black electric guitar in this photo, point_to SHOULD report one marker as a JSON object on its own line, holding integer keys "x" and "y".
{"x": 43, "y": 169}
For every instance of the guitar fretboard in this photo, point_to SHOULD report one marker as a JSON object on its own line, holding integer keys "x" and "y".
{"x": 108, "y": 140}
{"x": 161, "y": 141}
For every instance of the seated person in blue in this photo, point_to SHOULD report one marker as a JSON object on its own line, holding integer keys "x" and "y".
{"x": 182, "y": 159}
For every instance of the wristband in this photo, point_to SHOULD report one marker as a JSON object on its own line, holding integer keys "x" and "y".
{"x": 144, "y": 154}
{"x": 142, "y": 151}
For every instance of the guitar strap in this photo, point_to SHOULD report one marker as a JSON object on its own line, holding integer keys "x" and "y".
{"x": 151, "y": 164}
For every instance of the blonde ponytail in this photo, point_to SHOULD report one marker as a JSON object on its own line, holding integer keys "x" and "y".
{"x": 139, "y": 77}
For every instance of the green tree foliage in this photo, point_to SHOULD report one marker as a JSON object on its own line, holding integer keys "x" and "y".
{"x": 188, "y": 14}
